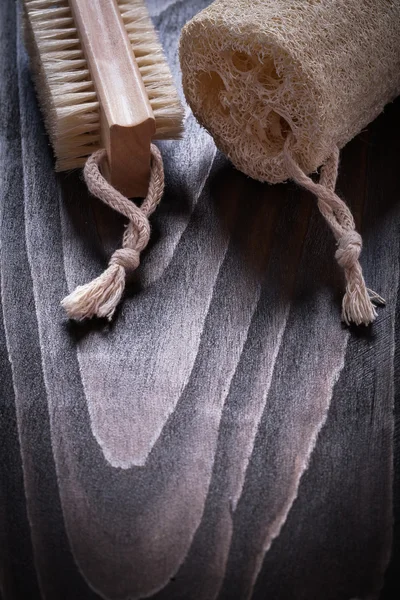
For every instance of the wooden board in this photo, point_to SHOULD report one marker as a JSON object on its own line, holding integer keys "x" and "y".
{"x": 225, "y": 437}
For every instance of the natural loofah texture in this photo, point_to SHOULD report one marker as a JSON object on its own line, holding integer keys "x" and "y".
{"x": 282, "y": 85}
{"x": 323, "y": 69}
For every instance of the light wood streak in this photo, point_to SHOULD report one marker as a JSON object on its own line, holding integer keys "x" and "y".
{"x": 43, "y": 509}
{"x": 235, "y": 345}
{"x": 354, "y": 451}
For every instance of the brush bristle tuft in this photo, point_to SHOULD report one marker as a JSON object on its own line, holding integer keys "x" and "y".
{"x": 65, "y": 90}
{"x": 64, "y": 86}
{"x": 154, "y": 69}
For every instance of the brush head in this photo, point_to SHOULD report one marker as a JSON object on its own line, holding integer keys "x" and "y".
{"x": 64, "y": 86}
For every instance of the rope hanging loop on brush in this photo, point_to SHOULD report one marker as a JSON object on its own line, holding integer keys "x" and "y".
{"x": 100, "y": 297}
{"x": 358, "y": 301}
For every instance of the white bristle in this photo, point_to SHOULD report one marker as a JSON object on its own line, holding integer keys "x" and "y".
{"x": 154, "y": 69}
{"x": 64, "y": 86}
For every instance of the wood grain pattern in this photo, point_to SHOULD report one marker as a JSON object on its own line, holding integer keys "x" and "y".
{"x": 226, "y": 436}
{"x": 43, "y": 547}
{"x": 349, "y": 448}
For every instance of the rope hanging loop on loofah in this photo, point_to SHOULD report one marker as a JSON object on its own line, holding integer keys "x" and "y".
{"x": 100, "y": 297}
{"x": 260, "y": 74}
{"x": 358, "y": 301}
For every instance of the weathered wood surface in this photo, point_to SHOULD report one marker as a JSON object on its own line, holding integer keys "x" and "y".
{"x": 226, "y": 437}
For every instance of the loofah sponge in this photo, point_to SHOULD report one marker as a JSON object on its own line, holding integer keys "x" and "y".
{"x": 282, "y": 84}
{"x": 255, "y": 70}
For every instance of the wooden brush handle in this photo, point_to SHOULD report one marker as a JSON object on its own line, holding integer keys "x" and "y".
{"x": 127, "y": 120}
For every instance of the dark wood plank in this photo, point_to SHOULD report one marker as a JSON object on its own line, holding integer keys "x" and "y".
{"x": 163, "y": 454}
{"x": 17, "y": 570}
{"x": 341, "y": 520}
{"x": 51, "y": 557}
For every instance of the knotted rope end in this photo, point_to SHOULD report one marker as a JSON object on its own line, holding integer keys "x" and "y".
{"x": 357, "y": 307}
{"x": 359, "y": 302}
{"x": 99, "y": 298}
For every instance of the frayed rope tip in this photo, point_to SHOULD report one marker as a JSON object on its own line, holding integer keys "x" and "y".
{"x": 359, "y": 302}
{"x": 100, "y": 297}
